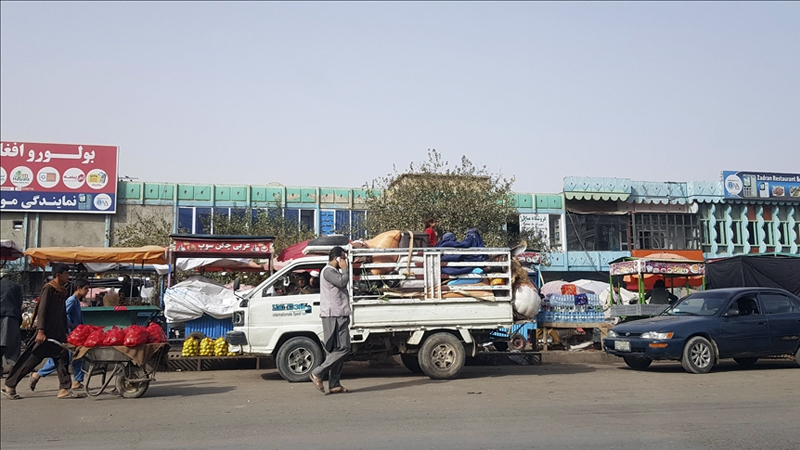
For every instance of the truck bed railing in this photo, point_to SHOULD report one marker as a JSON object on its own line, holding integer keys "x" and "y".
{"x": 390, "y": 274}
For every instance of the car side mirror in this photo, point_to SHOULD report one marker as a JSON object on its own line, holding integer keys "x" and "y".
{"x": 732, "y": 313}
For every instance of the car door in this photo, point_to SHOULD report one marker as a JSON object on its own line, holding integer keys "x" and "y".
{"x": 746, "y": 334}
{"x": 783, "y": 314}
{"x": 271, "y": 313}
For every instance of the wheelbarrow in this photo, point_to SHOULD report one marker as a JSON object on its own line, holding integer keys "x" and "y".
{"x": 131, "y": 369}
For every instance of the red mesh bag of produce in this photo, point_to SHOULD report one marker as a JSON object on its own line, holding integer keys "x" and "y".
{"x": 135, "y": 336}
{"x": 79, "y": 335}
{"x": 114, "y": 336}
{"x": 95, "y": 339}
{"x": 156, "y": 334}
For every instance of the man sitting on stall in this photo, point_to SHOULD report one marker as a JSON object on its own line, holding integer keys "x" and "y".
{"x": 660, "y": 295}
{"x": 128, "y": 289}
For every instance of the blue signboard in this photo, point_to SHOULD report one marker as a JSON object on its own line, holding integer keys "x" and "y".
{"x": 760, "y": 185}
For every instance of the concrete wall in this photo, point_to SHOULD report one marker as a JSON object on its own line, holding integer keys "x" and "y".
{"x": 7, "y": 230}
{"x": 71, "y": 229}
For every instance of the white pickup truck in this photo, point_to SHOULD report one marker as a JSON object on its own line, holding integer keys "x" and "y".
{"x": 400, "y": 306}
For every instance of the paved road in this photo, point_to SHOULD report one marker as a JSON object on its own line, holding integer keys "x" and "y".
{"x": 551, "y": 406}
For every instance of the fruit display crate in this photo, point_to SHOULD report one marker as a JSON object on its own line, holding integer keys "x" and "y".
{"x": 178, "y": 363}
{"x": 209, "y": 326}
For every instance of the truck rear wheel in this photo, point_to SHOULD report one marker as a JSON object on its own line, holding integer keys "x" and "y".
{"x": 411, "y": 361}
{"x": 442, "y": 356}
{"x": 297, "y": 357}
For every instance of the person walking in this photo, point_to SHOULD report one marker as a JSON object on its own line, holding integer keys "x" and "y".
{"x": 51, "y": 325}
{"x": 10, "y": 317}
{"x": 335, "y": 314}
{"x": 74, "y": 318}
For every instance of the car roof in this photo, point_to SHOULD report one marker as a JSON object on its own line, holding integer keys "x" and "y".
{"x": 739, "y": 290}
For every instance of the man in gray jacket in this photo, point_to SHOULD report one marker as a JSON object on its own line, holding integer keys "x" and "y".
{"x": 335, "y": 313}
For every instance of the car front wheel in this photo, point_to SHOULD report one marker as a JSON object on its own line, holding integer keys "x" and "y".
{"x": 637, "y": 363}
{"x": 698, "y": 355}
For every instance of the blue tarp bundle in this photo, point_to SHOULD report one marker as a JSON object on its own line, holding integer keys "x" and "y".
{"x": 471, "y": 240}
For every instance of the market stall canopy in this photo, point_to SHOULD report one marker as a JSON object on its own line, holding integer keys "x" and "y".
{"x": 289, "y": 253}
{"x": 9, "y": 250}
{"x": 152, "y": 254}
{"x": 676, "y": 270}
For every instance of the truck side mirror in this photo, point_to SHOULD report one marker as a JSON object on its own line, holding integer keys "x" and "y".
{"x": 236, "y": 284}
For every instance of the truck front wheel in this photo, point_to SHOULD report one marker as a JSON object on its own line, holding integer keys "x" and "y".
{"x": 442, "y": 356}
{"x": 297, "y": 357}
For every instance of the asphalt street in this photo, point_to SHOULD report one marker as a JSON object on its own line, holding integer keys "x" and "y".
{"x": 550, "y": 406}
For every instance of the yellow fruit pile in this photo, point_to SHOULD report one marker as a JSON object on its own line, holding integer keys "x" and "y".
{"x": 190, "y": 347}
{"x": 221, "y": 347}
{"x": 207, "y": 347}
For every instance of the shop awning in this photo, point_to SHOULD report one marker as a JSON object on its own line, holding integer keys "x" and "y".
{"x": 9, "y": 250}
{"x": 608, "y": 196}
{"x": 134, "y": 255}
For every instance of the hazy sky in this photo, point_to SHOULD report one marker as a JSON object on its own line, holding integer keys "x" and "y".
{"x": 334, "y": 94}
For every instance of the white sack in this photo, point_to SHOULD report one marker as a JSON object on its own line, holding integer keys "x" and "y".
{"x": 196, "y": 296}
{"x": 527, "y": 301}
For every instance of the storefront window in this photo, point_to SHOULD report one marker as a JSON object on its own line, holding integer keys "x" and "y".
{"x": 186, "y": 220}
{"x": 357, "y": 225}
{"x": 588, "y": 232}
{"x": 203, "y": 221}
{"x": 666, "y": 231}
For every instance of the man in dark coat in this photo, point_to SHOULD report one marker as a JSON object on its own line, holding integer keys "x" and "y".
{"x": 10, "y": 317}
{"x": 51, "y": 330}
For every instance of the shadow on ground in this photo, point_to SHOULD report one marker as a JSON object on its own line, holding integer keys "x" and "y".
{"x": 363, "y": 370}
{"x": 193, "y": 389}
{"x": 723, "y": 367}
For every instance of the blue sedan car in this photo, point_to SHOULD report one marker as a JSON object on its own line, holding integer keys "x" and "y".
{"x": 702, "y": 328}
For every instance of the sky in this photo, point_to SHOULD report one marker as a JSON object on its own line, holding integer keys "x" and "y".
{"x": 338, "y": 94}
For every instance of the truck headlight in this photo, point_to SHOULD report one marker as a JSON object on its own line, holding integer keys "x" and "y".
{"x": 657, "y": 335}
{"x": 612, "y": 333}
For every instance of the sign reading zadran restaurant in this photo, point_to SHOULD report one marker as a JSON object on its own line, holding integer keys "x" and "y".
{"x": 761, "y": 185}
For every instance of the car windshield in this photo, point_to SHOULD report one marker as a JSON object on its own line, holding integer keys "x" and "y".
{"x": 699, "y": 304}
